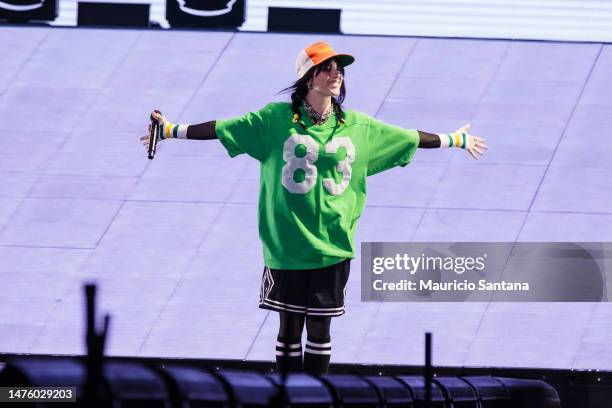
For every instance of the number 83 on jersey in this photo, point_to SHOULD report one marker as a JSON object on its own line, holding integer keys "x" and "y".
{"x": 306, "y": 163}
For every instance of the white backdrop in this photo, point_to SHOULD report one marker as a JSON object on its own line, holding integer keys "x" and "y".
{"x": 569, "y": 20}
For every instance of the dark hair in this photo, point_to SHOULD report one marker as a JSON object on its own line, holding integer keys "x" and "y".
{"x": 299, "y": 90}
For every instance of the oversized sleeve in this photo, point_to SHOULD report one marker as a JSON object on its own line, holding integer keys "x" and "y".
{"x": 389, "y": 146}
{"x": 245, "y": 134}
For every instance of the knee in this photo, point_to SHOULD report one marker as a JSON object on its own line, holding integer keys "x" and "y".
{"x": 318, "y": 327}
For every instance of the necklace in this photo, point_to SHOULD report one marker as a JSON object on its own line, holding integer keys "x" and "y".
{"x": 316, "y": 117}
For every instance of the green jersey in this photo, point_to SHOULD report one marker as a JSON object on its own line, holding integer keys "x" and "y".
{"x": 313, "y": 180}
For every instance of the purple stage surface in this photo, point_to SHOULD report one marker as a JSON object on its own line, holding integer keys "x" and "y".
{"x": 173, "y": 242}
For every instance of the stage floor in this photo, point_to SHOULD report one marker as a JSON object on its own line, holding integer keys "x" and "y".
{"x": 173, "y": 242}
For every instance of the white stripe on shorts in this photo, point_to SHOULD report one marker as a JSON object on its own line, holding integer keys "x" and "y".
{"x": 280, "y": 308}
{"x": 286, "y": 304}
{"x": 270, "y": 280}
{"x": 326, "y": 309}
{"x": 338, "y": 313}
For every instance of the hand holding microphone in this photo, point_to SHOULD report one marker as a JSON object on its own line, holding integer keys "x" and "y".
{"x": 150, "y": 140}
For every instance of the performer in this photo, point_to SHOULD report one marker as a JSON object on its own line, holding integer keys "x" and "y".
{"x": 314, "y": 159}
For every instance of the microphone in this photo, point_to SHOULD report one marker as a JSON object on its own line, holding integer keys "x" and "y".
{"x": 153, "y": 137}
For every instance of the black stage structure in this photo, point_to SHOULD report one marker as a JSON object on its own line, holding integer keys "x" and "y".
{"x": 101, "y": 381}
{"x": 177, "y": 382}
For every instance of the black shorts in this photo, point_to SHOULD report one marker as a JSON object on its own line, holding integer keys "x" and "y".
{"x": 310, "y": 292}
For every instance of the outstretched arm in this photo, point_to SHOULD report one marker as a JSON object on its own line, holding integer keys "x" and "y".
{"x": 246, "y": 134}
{"x": 167, "y": 130}
{"x": 202, "y": 131}
{"x": 428, "y": 140}
{"x": 474, "y": 145}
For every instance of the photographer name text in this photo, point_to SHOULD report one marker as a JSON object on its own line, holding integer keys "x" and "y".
{"x": 454, "y": 286}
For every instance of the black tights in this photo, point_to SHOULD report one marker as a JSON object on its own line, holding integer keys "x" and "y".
{"x": 289, "y": 346}
{"x": 291, "y": 325}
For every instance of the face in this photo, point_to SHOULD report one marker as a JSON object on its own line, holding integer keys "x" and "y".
{"x": 328, "y": 80}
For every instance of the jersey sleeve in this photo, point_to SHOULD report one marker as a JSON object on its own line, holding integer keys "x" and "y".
{"x": 245, "y": 134}
{"x": 389, "y": 146}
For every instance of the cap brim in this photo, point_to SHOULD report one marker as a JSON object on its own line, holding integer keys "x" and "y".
{"x": 343, "y": 59}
